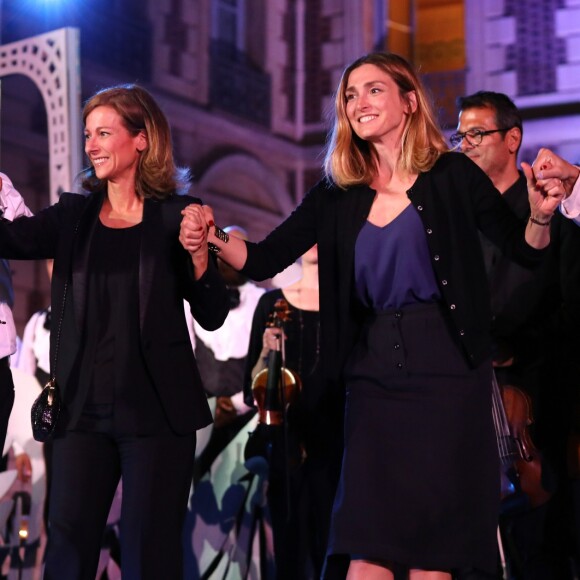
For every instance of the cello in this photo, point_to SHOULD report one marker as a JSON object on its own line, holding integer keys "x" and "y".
{"x": 520, "y": 462}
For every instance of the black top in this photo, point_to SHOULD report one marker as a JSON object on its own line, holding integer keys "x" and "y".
{"x": 113, "y": 365}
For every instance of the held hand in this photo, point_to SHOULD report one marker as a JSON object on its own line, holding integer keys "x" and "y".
{"x": 544, "y": 197}
{"x": 193, "y": 231}
{"x": 271, "y": 340}
{"x": 549, "y": 167}
{"x": 231, "y": 250}
{"x": 208, "y": 214}
{"x": 193, "y": 237}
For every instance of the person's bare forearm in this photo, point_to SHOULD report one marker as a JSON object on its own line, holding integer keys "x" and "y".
{"x": 231, "y": 249}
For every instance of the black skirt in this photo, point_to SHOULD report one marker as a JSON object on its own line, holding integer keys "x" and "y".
{"x": 420, "y": 477}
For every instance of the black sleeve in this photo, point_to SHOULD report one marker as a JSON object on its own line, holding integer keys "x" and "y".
{"x": 36, "y": 237}
{"x": 290, "y": 240}
{"x": 209, "y": 299}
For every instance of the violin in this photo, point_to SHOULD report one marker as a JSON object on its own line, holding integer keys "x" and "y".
{"x": 521, "y": 462}
{"x": 276, "y": 387}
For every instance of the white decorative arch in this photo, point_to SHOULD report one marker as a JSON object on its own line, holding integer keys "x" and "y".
{"x": 52, "y": 62}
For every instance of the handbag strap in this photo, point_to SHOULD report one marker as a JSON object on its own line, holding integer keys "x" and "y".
{"x": 60, "y": 321}
{"x": 58, "y": 331}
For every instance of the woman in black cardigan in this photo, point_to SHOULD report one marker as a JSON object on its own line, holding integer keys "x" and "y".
{"x": 405, "y": 323}
{"x": 120, "y": 349}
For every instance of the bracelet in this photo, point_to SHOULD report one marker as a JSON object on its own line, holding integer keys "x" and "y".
{"x": 221, "y": 235}
{"x": 539, "y": 223}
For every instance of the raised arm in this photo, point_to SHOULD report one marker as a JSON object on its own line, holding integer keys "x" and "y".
{"x": 544, "y": 201}
{"x": 280, "y": 248}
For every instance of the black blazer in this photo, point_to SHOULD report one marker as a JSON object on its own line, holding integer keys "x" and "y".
{"x": 63, "y": 232}
{"x": 454, "y": 199}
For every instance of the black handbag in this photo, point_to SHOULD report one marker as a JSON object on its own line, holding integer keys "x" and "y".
{"x": 45, "y": 411}
{"x": 46, "y": 408}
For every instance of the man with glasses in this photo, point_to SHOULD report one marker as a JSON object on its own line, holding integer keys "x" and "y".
{"x": 524, "y": 328}
{"x": 490, "y": 133}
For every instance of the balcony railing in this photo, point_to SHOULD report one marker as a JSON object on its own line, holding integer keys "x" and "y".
{"x": 237, "y": 86}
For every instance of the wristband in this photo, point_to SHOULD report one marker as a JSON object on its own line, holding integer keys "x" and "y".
{"x": 539, "y": 223}
{"x": 221, "y": 235}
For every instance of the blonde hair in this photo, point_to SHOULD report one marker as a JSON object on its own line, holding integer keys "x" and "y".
{"x": 157, "y": 175}
{"x": 349, "y": 160}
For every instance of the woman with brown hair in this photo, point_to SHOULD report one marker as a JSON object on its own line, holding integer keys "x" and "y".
{"x": 404, "y": 310}
{"x": 120, "y": 350}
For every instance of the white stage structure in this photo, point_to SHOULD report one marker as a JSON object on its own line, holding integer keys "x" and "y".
{"x": 52, "y": 62}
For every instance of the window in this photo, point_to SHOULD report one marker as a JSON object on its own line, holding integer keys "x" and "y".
{"x": 228, "y": 19}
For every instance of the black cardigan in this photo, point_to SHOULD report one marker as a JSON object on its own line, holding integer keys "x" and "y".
{"x": 454, "y": 199}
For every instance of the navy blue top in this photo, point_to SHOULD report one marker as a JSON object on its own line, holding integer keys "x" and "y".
{"x": 392, "y": 264}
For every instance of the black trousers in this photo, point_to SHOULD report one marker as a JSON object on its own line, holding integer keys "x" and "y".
{"x": 156, "y": 474}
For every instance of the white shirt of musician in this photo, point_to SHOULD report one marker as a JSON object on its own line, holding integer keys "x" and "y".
{"x": 12, "y": 206}
{"x": 570, "y": 207}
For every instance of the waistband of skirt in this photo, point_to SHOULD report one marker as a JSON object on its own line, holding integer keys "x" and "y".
{"x": 418, "y": 308}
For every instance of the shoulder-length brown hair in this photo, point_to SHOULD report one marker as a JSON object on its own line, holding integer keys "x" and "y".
{"x": 350, "y": 160}
{"x": 157, "y": 175}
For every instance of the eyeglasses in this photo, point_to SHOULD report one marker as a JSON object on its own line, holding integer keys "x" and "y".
{"x": 474, "y": 137}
